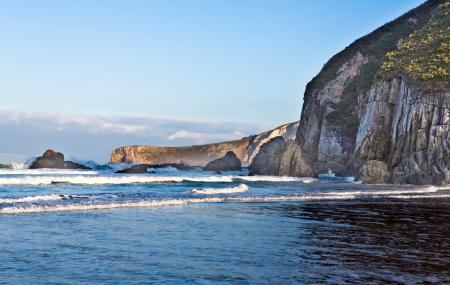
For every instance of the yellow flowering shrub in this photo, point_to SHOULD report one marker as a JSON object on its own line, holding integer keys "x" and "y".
{"x": 424, "y": 55}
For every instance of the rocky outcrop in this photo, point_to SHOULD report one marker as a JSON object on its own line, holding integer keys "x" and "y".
{"x": 385, "y": 98}
{"x": 374, "y": 172}
{"x": 50, "y": 159}
{"x": 287, "y": 132}
{"x": 245, "y": 149}
{"x": 74, "y": 165}
{"x": 229, "y": 162}
{"x": 278, "y": 157}
{"x": 53, "y": 159}
{"x": 147, "y": 168}
{"x": 407, "y": 127}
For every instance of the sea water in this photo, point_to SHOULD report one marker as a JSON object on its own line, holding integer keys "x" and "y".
{"x": 195, "y": 227}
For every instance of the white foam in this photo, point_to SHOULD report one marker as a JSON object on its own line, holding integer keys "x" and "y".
{"x": 420, "y": 196}
{"x": 135, "y": 179}
{"x": 430, "y": 189}
{"x": 276, "y": 179}
{"x": 52, "y": 197}
{"x": 211, "y": 191}
{"x": 162, "y": 203}
{"x": 45, "y": 171}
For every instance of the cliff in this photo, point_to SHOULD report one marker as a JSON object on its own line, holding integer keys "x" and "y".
{"x": 385, "y": 97}
{"x": 199, "y": 155}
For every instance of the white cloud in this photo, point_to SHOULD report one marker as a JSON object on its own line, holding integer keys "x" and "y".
{"x": 94, "y": 137}
{"x": 204, "y": 137}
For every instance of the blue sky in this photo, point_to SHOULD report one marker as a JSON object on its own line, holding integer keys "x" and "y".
{"x": 237, "y": 61}
{"x": 206, "y": 60}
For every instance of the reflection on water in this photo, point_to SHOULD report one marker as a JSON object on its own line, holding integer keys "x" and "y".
{"x": 382, "y": 241}
{"x": 362, "y": 242}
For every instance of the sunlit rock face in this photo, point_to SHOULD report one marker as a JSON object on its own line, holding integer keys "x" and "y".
{"x": 200, "y": 155}
{"x": 409, "y": 128}
{"x": 361, "y": 108}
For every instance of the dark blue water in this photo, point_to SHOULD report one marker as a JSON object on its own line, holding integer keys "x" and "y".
{"x": 268, "y": 231}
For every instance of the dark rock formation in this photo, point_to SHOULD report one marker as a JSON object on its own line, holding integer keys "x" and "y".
{"x": 200, "y": 155}
{"x": 135, "y": 169}
{"x": 267, "y": 161}
{"x": 143, "y": 168}
{"x": 374, "y": 172}
{"x": 52, "y": 159}
{"x": 229, "y": 162}
{"x": 277, "y": 157}
{"x": 74, "y": 165}
{"x": 407, "y": 127}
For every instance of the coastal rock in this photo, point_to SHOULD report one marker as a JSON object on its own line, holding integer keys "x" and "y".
{"x": 229, "y": 162}
{"x": 409, "y": 128}
{"x": 374, "y": 172}
{"x": 135, "y": 169}
{"x": 53, "y": 159}
{"x": 74, "y": 165}
{"x": 355, "y": 111}
{"x": 267, "y": 161}
{"x": 50, "y": 159}
{"x": 200, "y": 155}
{"x": 144, "y": 168}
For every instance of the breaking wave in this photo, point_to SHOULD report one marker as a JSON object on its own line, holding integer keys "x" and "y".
{"x": 44, "y": 171}
{"x": 211, "y": 191}
{"x": 52, "y": 197}
{"x": 158, "y": 203}
{"x": 137, "y": 179}
{"x": 313, "y": 196}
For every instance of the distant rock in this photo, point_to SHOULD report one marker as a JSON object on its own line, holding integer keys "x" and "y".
{"x": 374, "y": 172}
{"x": 143, "y": 168}
{"x": 55, "y": 160}
{"x": 200, "y": 155}
{"x": 102, "y": 167}
{"x": 229, "y": 162}
{"x": 5, "y": 166}
{"x": 50, "y": 159}
{"x": 73, "y": 165}
{"x": 135, "y": 169}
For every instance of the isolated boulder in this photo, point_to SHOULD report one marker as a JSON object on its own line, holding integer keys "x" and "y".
{"x": 268, "y": 159}
{"x": 229, "y": 162}
{"x": 374, "y": 172}
{"x": 50, "y": 159}
{"x": 53, "y": 159}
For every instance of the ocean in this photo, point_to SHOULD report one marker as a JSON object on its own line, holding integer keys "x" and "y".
{"x": 196, "y": 227}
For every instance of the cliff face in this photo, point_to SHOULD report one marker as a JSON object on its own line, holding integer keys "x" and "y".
{"x": 384, "y": 98}
{"x": 408, "y": 128}
{"x": 199, "y": 155}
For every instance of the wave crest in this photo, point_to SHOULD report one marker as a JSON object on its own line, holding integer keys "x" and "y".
{"x": 211, "y": 191}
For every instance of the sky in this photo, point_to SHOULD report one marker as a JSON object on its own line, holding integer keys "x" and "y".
{"x": 240, "y": 65}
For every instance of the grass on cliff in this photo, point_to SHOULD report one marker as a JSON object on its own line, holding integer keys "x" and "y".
{"x": 376, "y": 44}
{"x": 424, "y": 56}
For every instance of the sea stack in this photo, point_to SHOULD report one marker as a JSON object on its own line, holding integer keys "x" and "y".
{"x": 229, "y": 162}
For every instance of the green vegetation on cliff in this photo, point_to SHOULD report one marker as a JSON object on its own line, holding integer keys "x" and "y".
{"x": 424, "y": 55}
{"x": 431, "y": 18}
{"x": 375, "y": 46}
